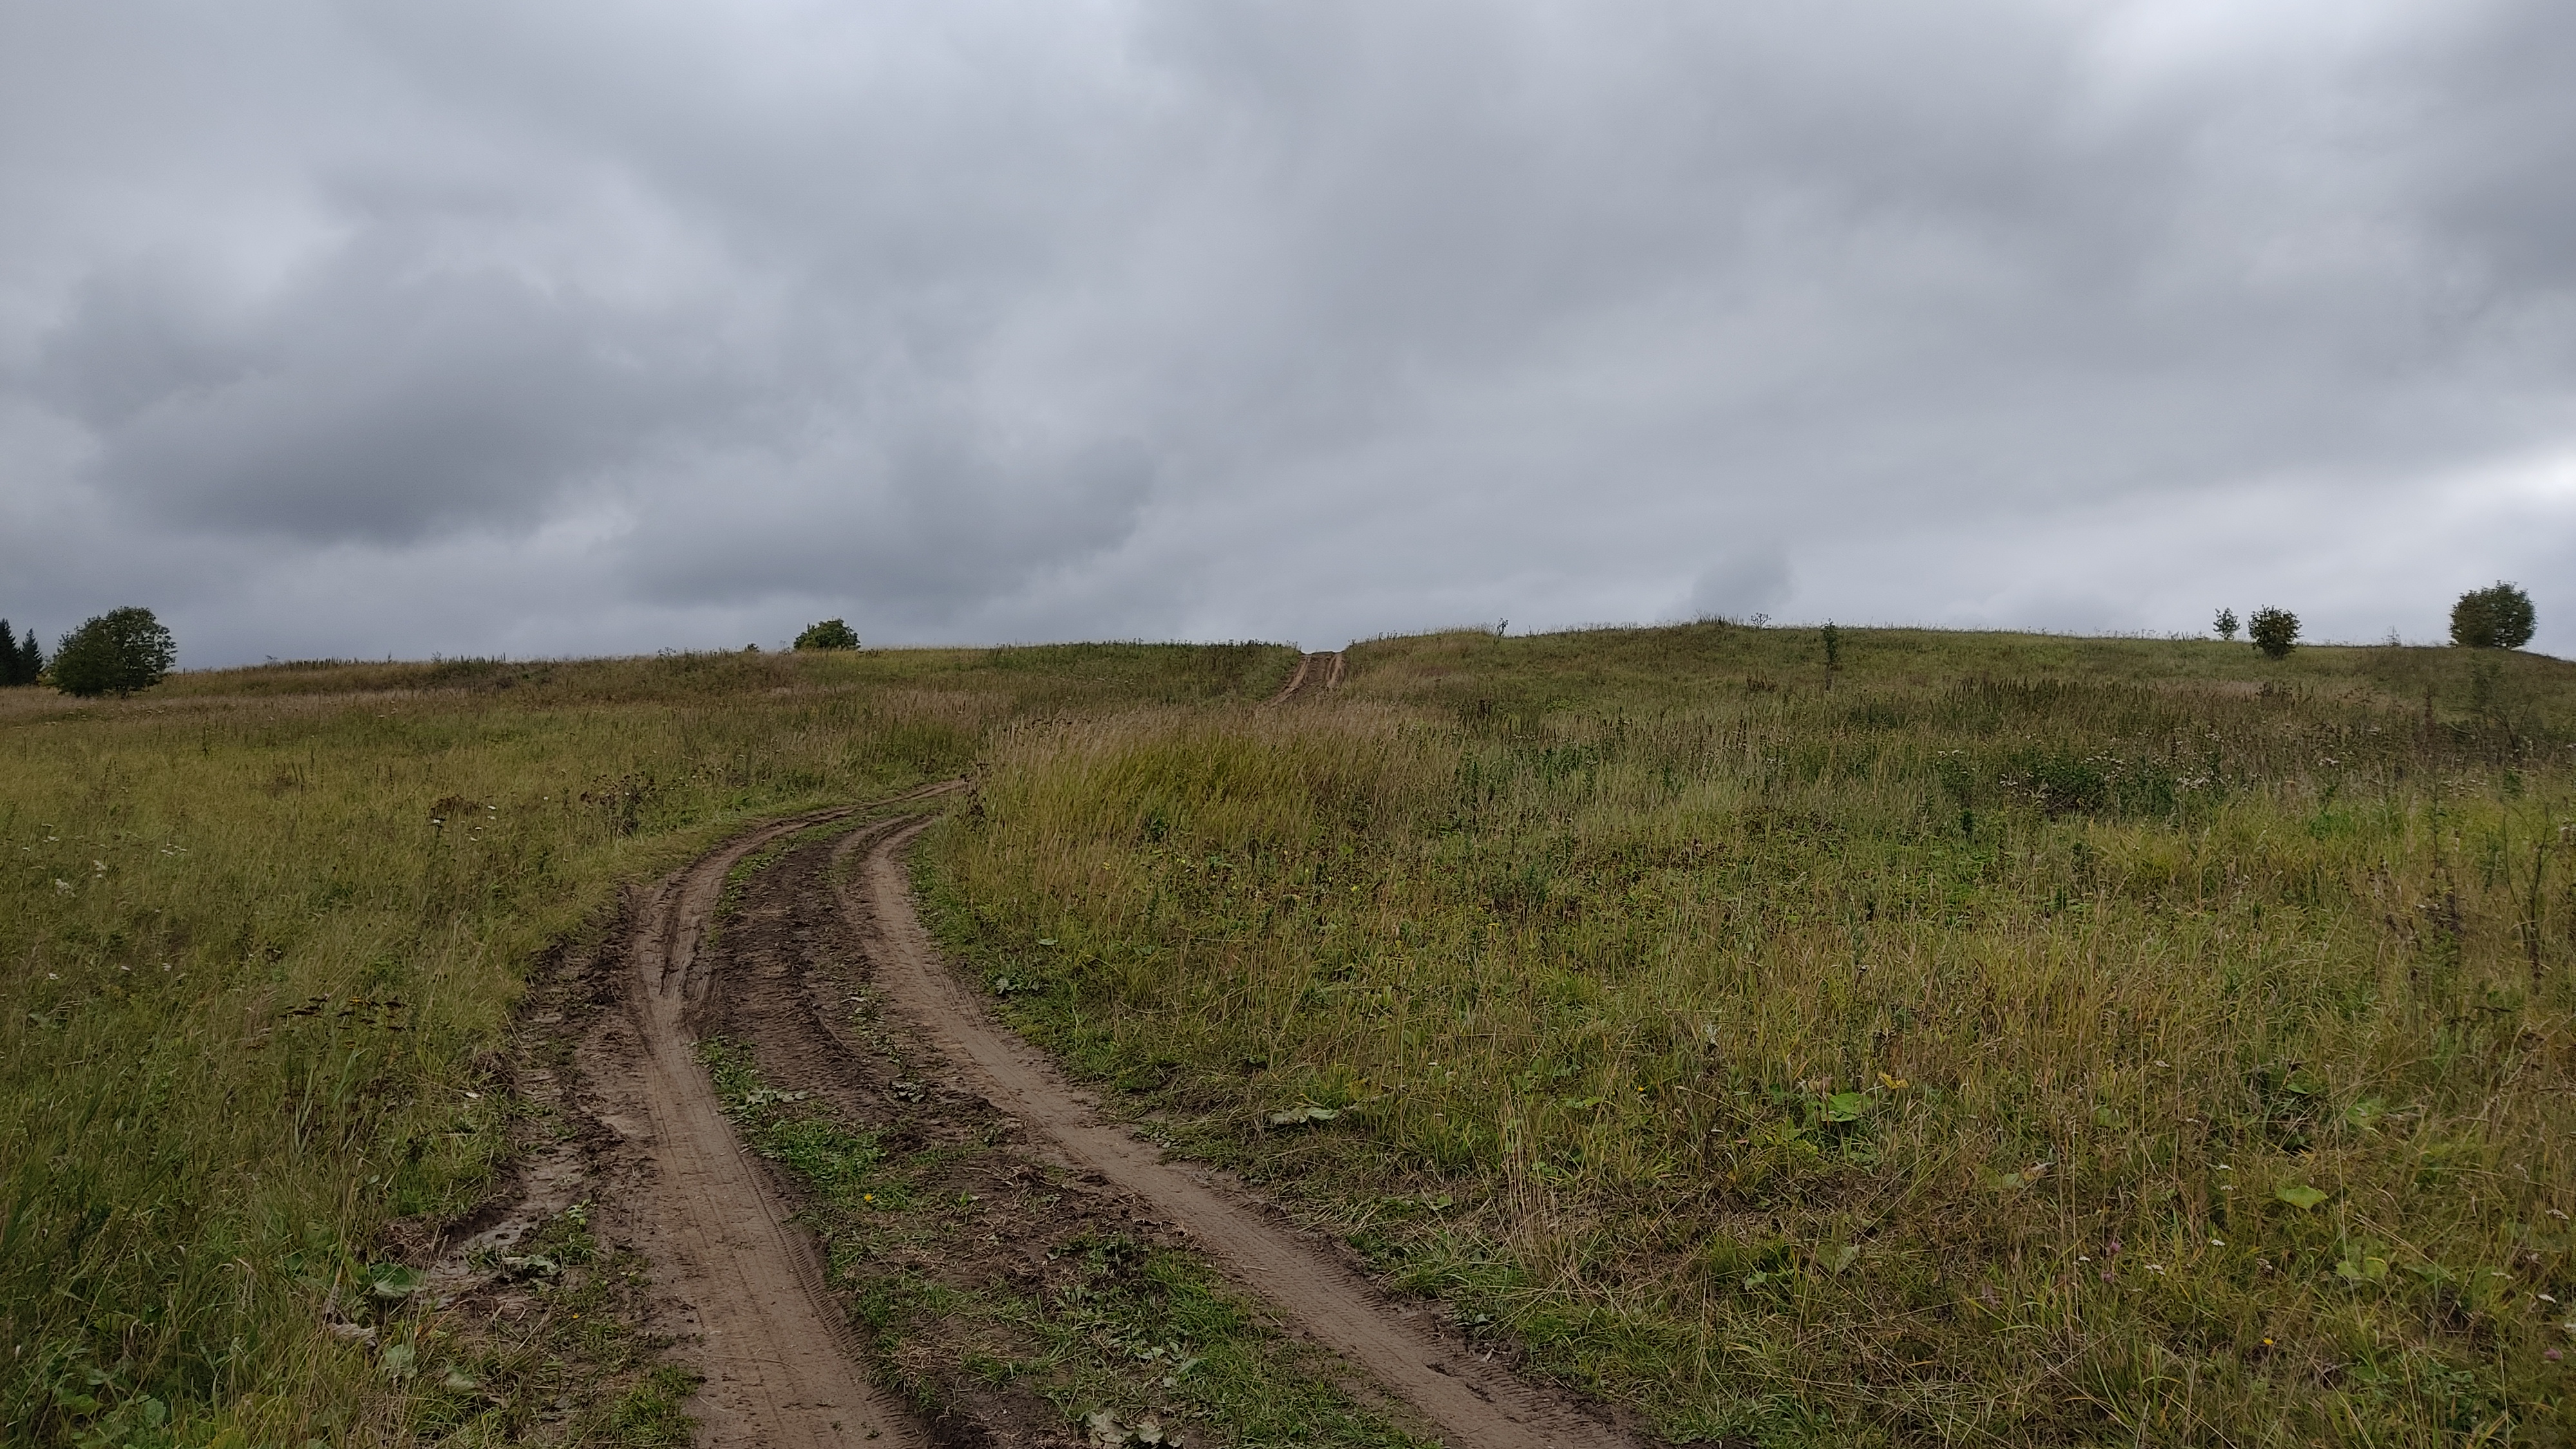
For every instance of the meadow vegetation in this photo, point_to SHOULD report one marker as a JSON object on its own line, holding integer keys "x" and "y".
{"x": 1988, "y": 1039}
{"x": 263, "y": 929}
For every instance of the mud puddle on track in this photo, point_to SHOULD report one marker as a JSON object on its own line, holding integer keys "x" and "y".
{"x": 831, "y": 918}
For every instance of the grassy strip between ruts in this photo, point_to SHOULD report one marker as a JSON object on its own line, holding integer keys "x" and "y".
{"x": 1993, "y": 1040}
{"x": 259, "y": 928}
{"x": 1129, "y": 1340}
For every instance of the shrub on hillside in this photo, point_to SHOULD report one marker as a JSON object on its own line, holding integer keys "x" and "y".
{"x": 2497, "y": 618}
{"x": 830, "y": 634}
{"x": 118, "y": 652}
{"x": 2273, "y": 631}
{"x": 2226, "y": 624}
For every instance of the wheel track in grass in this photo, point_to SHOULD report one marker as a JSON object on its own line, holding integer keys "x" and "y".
{"x": 1471, "y": 1399}
{"x": 1315, "y": 674}
{"x": 782, "y": 1365}
{"x": 780, "y": 1362}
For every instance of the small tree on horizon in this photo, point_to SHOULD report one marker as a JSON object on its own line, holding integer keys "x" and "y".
{"x": 2493, "y": 618}
{"x": 2273, "y": 631}
{"x": 830, "y": 634}
{"x": 119, "y": 652}
{"x": 2226, "y": 624}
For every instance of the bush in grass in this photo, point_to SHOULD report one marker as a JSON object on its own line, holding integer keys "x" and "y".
{"x": 830, "y": 634}
{"x": 2226, "y": 623}
{"x": 2495, "y": 618}
{"x": 2273, "y": 631}
{"x": 119, "y": 652}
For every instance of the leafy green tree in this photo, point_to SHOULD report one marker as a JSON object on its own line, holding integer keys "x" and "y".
{"x": 830, "y": 634}
{"x": 2496, "y": 618}
{"x": 2273, "y": 631}
{"x": 2226, "y": 622}
{"x": 118, "y": 652}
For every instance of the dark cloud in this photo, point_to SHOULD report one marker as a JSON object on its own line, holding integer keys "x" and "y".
{"x": 609, "y": 328}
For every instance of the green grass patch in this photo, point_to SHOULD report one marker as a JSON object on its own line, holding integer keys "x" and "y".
{"x": 1999, "y": 1037}
{"x": 258, "y": 927}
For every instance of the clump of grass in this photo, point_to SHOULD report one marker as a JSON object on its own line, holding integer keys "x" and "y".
{"x": 2027, "y": 1039}
{"x": 259, "y": 926}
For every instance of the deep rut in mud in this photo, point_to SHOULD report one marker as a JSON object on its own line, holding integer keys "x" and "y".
{"x": 827, "y": 926}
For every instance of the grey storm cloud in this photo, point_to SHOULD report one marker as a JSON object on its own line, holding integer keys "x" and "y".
{"x": 355, "y": 328}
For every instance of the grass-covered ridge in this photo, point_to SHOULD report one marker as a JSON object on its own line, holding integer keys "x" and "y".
{"x": 257, "y": 927}
{"x": 1999, "y": 1039}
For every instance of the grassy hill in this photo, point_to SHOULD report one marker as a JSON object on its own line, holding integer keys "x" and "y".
{"x": 1996, "y": 1038}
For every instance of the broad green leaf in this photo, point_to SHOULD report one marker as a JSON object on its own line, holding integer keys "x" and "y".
{"x": 2301, "y": 1196}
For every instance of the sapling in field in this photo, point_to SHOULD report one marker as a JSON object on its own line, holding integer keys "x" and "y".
{"x": 2273, "y": 631}
{"x": 2226, "y": 625}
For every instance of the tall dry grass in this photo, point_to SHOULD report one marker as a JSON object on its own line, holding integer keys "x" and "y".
{"x": 1996, "y": 1040}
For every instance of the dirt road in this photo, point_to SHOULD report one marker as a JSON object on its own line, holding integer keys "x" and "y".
{"x": 1315, "y": 674}
{"x": 777, "y": 1353}
{"x": 1470, "y": 1400}
{"x": 799, "y": 937}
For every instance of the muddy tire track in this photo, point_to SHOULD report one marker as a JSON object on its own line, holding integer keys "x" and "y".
{"x": 782, "y": 1368}
{"x": 1468, "y": 1398}
{"x": 1315, "y": 674}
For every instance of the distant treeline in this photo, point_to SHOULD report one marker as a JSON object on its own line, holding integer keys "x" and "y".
{"x": 22, "y": 661}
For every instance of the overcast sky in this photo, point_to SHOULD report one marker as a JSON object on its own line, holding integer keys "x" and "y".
{"x": 575, "y": 328}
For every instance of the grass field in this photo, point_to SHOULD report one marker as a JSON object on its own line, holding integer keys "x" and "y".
{"x": 262, "y": 927}
{"x": 1999, "y": 1039}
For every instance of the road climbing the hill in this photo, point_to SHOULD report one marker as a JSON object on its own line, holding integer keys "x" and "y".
{"x": 748, "y": 1286}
